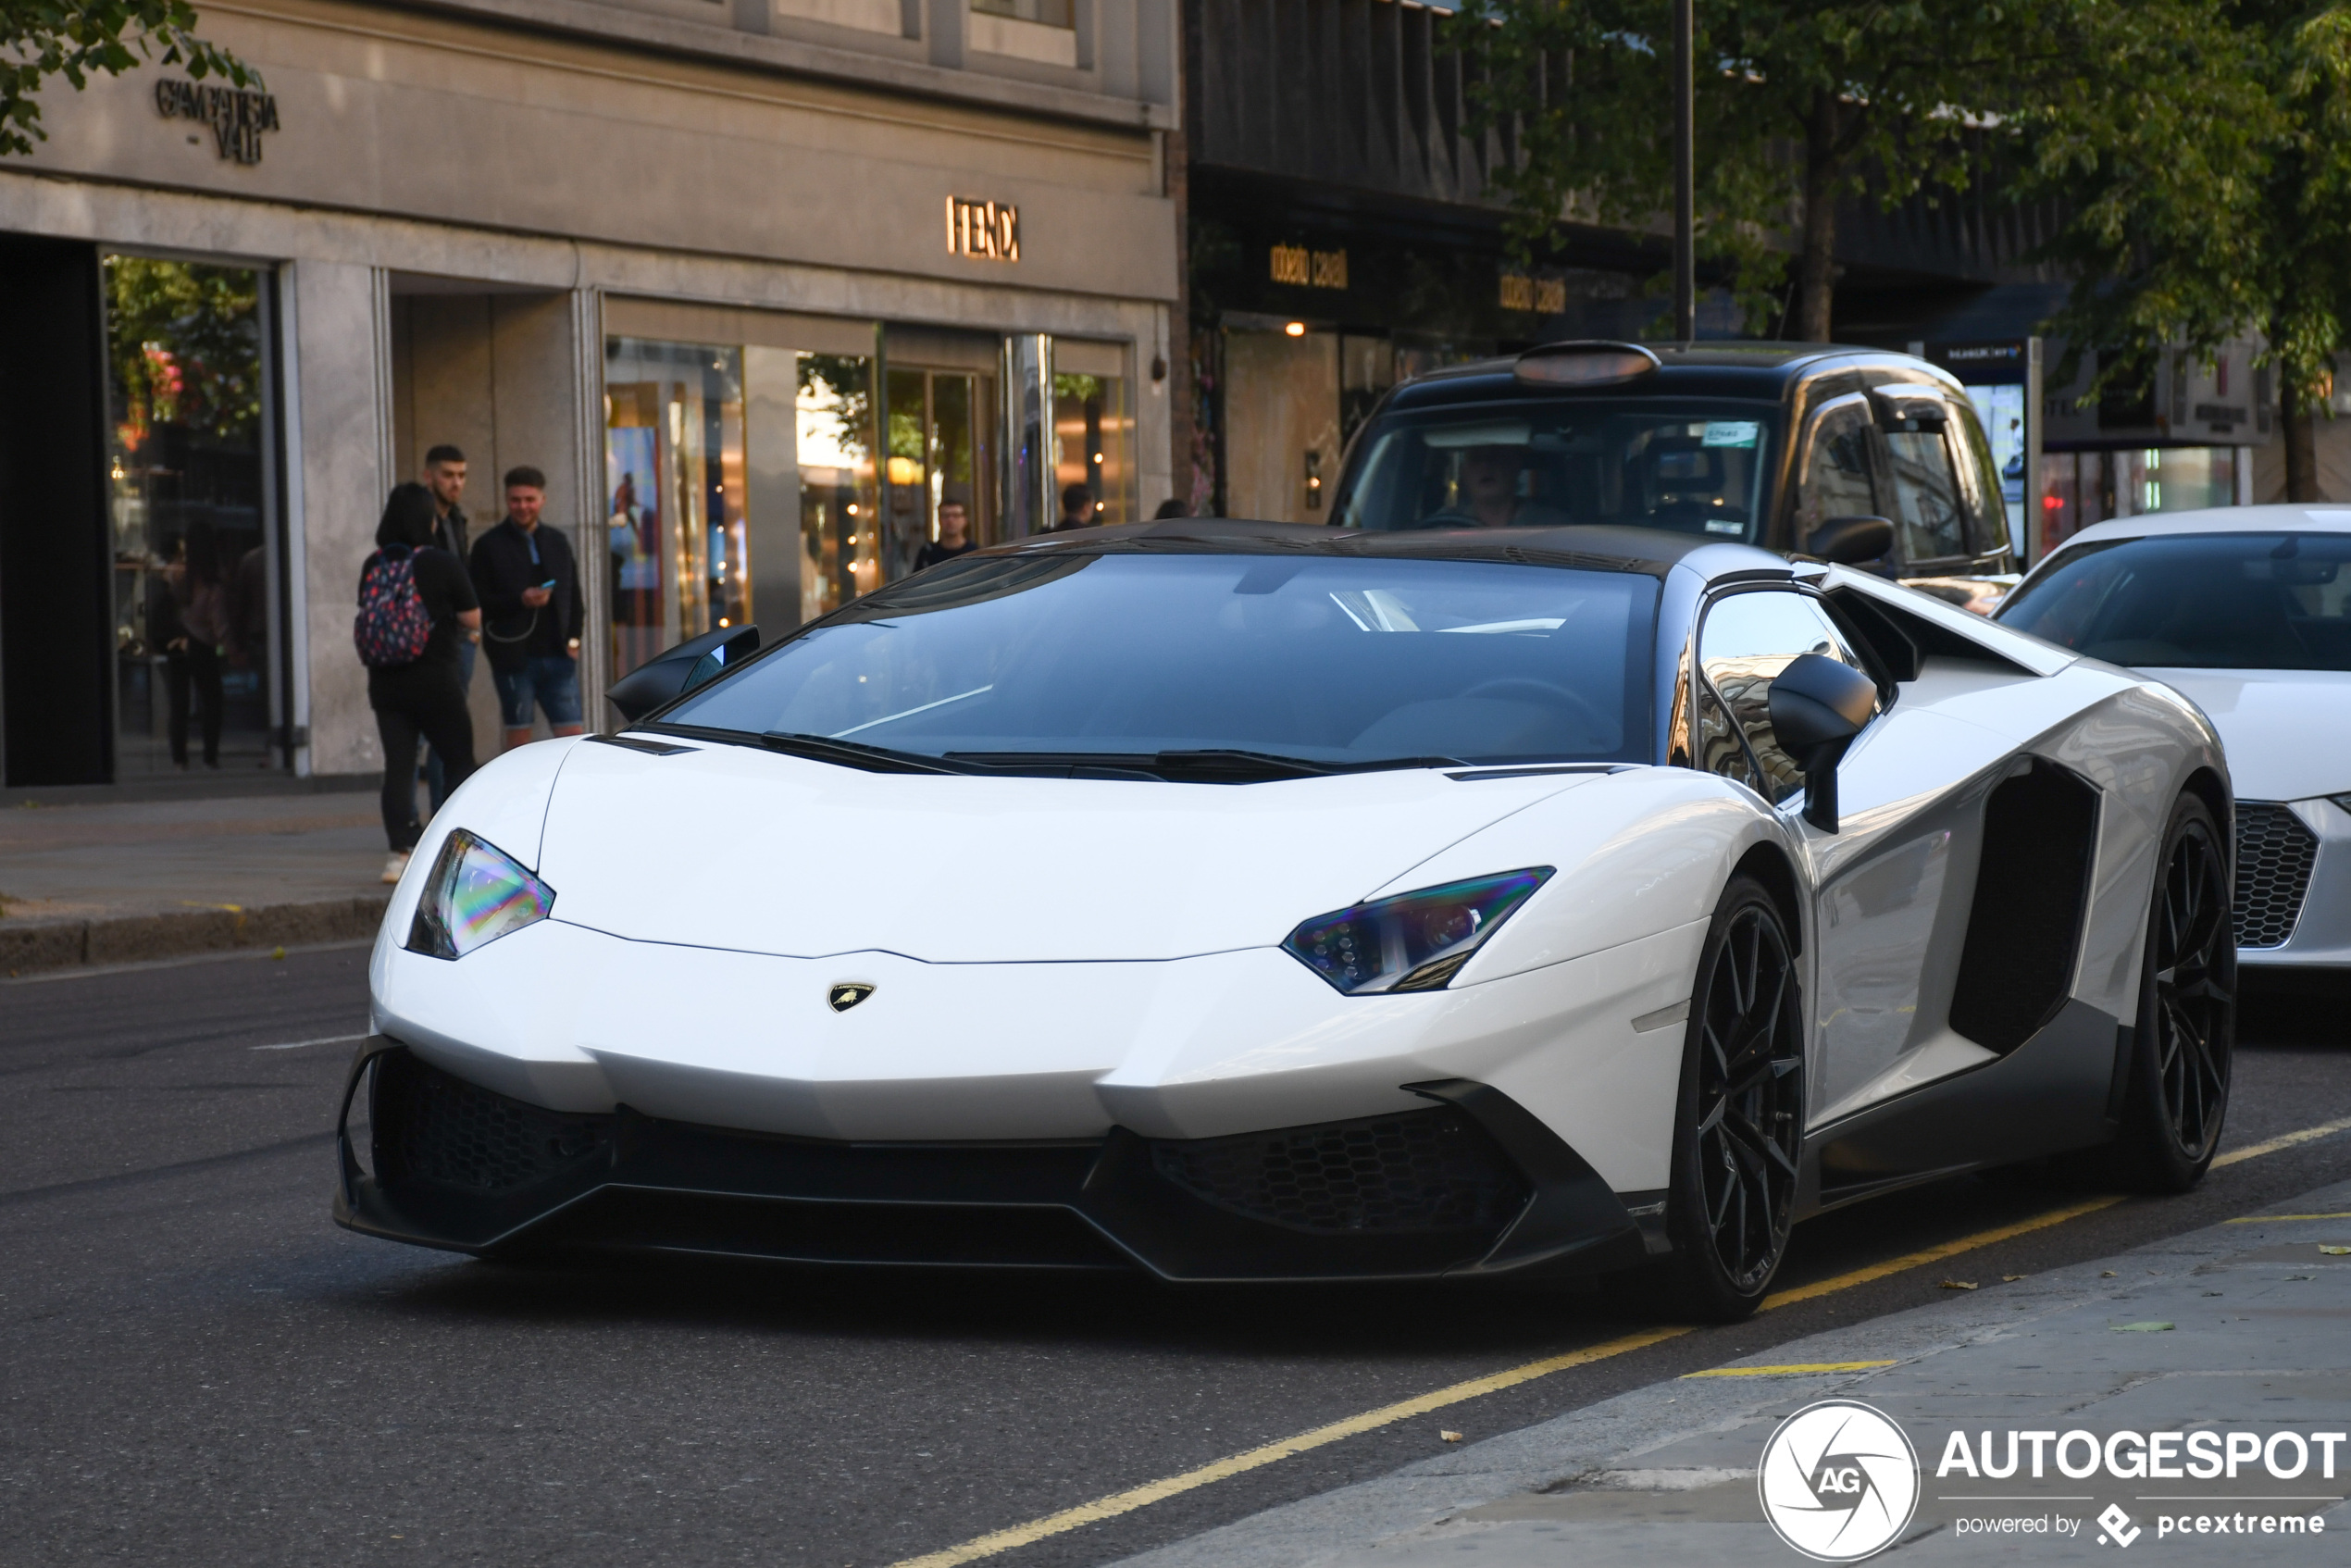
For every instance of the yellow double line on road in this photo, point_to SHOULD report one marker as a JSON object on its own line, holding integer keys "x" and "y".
{"x": 999, "y": 1541}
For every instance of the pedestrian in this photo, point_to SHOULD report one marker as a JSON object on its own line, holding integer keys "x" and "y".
{"x": 954, "y": 537}
{"x": 1170, "y": 507}
{"x": 444, "y": 475}
{"x": 1077, "y": 509}
{"x": 199, "y": 607}
{"x": 530, "y": 588}
{"x": 417, "y": 602}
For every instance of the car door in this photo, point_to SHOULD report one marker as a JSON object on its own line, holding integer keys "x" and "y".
{"x": 1837, "y": 468}
{"x": 1885, "y": 890}
{"x": 1929, "y": 515}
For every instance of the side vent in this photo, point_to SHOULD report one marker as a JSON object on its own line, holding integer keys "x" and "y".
{"x": 2031, "y": 891}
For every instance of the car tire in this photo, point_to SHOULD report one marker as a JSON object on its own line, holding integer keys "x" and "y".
{"x": 1738, "y": 1126}
{"x": 2177, "y": 1095}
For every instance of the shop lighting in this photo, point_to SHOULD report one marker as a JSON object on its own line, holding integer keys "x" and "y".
{"x": 1296, "y": 329}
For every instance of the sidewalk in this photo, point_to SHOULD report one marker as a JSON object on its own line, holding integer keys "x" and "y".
{"x": 2240, "y": 1328}
{"x": 124, "y": 881}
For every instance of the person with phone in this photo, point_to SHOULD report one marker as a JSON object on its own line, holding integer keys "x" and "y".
{"x": 528, "y": 581}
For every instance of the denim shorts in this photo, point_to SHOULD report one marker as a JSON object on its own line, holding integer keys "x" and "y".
{"x": 553, "y": 680}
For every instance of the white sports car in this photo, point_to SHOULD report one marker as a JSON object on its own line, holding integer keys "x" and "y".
{"x": 1247, "y": 901}
{"x": 2248, "y": 611}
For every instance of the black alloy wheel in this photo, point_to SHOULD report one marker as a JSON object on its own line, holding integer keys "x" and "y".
{"x": 2186, "y": 1034}
{"x": 1740, "y": 1125}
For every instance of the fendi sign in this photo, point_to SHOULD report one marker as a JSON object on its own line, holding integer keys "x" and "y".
{"x": 988, "y": 229}
{"x": 237, "y": 117}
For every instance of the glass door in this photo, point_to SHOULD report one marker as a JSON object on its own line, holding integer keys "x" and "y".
{"x": 937, "y": 456}
{"x": 197, "y": 628}
{"x": 675, "y": 484}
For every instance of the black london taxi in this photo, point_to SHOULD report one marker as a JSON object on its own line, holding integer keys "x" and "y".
{"x": 1795, "y": 447}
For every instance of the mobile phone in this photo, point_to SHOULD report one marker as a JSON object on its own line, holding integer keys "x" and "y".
{"x": 549, "y": 583}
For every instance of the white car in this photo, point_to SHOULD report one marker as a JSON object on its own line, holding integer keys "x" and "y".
{"x": 2248, "y": 611}
{"x": 1247, "y": 901}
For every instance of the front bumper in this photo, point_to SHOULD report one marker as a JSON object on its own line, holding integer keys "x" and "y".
{"x": 1471, "y": 1186}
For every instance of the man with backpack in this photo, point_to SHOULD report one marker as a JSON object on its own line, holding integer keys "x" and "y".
{"x": 416, "y": 604}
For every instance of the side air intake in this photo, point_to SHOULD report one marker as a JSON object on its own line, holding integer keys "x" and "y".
{"x": 2031, "y": 891}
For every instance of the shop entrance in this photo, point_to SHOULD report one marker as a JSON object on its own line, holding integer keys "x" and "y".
{"x": 940, "y": 421}
{"x": 1281, "y": 423}
{"x": 142, "y": 560}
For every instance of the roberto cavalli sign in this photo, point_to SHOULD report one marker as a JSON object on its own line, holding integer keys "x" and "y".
{"x": 237, "y": 116}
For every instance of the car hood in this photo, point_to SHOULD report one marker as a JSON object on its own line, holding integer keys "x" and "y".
{"x": 2282, "y": 729}
{"x": 735, "y": 847}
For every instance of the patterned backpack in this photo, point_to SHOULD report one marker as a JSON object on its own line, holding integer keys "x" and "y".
{"x": 393, "y": 626}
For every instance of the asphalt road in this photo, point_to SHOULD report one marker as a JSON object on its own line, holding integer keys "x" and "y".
{"x": 196, "y": 1367}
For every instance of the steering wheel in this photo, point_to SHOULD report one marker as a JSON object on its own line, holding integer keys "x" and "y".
{"x": 1595, "y": 720}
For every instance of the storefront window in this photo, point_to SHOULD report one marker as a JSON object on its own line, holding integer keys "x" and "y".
{"x": 841, "y": 524}
{"x": 1093, "y": 443}
{"x": 678, "y": 557}
{"x": 194, "y": 576}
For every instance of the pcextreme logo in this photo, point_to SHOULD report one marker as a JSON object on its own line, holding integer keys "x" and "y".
{"x": 1839, "y": 1481}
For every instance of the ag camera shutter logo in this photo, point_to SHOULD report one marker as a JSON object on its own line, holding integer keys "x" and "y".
{"x": 1839, "y": 1481}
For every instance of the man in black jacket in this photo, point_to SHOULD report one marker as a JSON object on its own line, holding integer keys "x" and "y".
{"x": 530, "y": 588}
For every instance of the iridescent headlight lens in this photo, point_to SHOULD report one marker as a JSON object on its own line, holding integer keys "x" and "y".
{"x": 1414, "y": 942}
{"x": 477, "y": 893}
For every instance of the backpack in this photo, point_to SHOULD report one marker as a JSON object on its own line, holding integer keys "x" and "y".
{"x": 392, "y": 625}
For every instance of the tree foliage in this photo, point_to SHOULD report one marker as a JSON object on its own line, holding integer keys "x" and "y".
{"x": 41, "y": 40}
{"x": 1799, "y": 103}
{"x": 2208, "y": 197}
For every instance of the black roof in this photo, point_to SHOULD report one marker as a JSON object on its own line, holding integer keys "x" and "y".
{"x": 1654, "y": 552}
{"x": 1726, "y": 368}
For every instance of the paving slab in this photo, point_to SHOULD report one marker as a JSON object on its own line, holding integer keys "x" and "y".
{"x": 126, "y": 881}
{"x": 2242, "y": 1327}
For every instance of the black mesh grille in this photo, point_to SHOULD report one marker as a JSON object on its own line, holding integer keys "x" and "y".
{"x": 1420, "y": 1171}
{"x": 2275, "y": 853}
{"x": 431, "y": 1127}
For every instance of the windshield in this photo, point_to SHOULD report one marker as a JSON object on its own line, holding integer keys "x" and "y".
{"x": 1337, "y": 661}
{"x": 2198, "y": 601}
{"x": 1656, "y": 463}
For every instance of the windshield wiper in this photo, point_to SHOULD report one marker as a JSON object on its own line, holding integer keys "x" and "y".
{"x": 1215, "y": 765}
{"x": 852, "y": 754}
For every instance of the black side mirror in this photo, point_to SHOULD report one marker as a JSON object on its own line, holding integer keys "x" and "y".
{"x": 1818, "y": 705}
{"x": 1849, "y": 542}
{"x": 671, "y": 674}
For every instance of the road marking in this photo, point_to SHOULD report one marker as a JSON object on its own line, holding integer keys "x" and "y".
{"x": 299, "y": 1044}
{"x": 1789, "y": 1371}
{"x": 1154, "y": 1492}
{"x": 1117, "y": 1503}
{"x": 2281, "y": 1219}
{"x": 1935, "y": 1254}
{"x": 2287, "y": 1140}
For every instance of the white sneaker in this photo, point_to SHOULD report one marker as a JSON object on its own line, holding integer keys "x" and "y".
{"x": 394, "y": 866}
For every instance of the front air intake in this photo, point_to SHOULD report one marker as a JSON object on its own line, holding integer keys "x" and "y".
{"x": 433, "y": 1126}
{"x": 1419, "y": 1171}
{"x": 2275, "y": 854}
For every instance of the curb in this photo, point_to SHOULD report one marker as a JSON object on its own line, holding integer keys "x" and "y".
{"x": 65, "y": 944}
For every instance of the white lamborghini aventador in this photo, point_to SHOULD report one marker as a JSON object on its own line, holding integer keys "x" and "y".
{"x": 1248, "y": 901}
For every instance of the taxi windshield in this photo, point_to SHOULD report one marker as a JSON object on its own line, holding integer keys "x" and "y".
{"x": 1684, "y": 465}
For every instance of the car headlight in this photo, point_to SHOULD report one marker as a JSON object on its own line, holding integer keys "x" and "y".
{"x": 1414, "y": 942}
{"x": 477, "y": 893}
